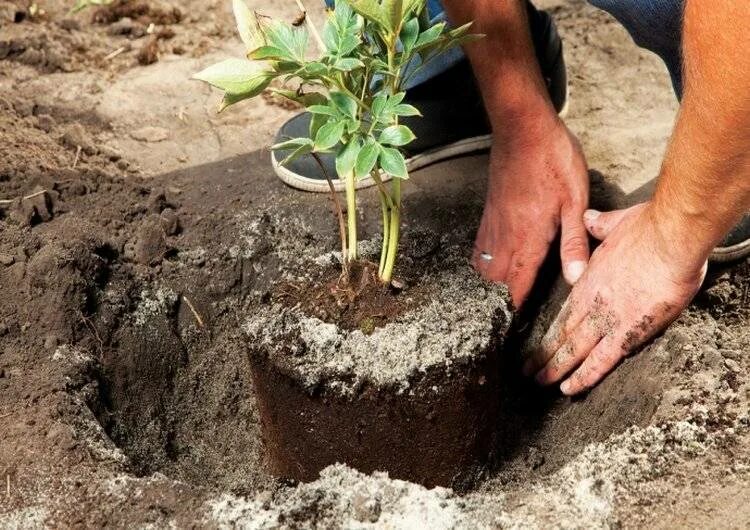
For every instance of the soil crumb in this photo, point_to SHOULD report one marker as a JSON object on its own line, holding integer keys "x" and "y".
{"x": 360, "y": 302}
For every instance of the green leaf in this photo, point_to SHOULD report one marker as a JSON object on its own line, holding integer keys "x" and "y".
{"x": 369, "y": 9}
{"x": 393, "y": 163}
{"x": 292, "y": 144}
{"x": 292, "y": 41}
{"x": 367, "y": 158}
{"x": 348, "y": 64}
{"x": 311, "y": 69}
{"x": 300, "y": 151}
{"x": 322, "y": 109}
{"x": 397, "y": 135}
{"x": 329, "y": 135}
{"x": 429, "y": 36}
{"x": 414, "y": 7}
{"x": 247, "y": 25}
{"x": 230, "y": 99}
{"x": 307, "y": 99}
{"x": 265, "y": 53}
{"x": 316, "y": 122}
{"x": 395, "y": 100}
{"x": 392, "y": 14}
{"x": 378, "y": 105}
{"x": 409, "y": 35}
{"x": 347, "y": 158}
{"x": 406, "y": 110}
{"x": 236, "y": 76}
{"x": 344, "y": 103}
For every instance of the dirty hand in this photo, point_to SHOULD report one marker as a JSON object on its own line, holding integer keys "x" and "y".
{"x": 538, "y": 184}
{"x": 637, "y": 282}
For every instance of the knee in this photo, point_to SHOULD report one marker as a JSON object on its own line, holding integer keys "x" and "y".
{"x": 653, "y": 24}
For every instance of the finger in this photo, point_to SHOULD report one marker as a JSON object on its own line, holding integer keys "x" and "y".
{"x": 572, "y": 353}
{"x": 600, "y": 224}
{"x": 492, "y": 267}
{"x": 567, "y": 320}
{"x": 602, "y": 359}
{"x": 574, "y": 245}
{"x": 522, "y": 271}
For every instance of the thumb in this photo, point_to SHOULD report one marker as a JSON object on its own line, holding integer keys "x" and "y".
{"x": 600, "y": 224}
{"x": 574, "y": 246}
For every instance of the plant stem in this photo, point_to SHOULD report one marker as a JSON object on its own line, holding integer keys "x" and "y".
{"x": 339, "y": 213}
{"x": 351, "y": 211}
{"x": 394, "y": 232}
{"x": 386, "y": 231}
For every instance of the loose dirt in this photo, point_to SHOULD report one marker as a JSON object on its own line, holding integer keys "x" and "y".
{"x": 127, "y": 275}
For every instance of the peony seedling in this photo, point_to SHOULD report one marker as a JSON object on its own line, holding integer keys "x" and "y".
{"x": 354, "y": 88}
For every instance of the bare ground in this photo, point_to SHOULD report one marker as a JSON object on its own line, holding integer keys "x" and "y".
{"x": 125, "y": 399}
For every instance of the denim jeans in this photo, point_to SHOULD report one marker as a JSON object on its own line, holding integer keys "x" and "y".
{"x": 653, "y": 24}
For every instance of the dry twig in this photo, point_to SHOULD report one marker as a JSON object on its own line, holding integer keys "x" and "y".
{"x": 197, "y": 316}
{"x": 27, "y": 197}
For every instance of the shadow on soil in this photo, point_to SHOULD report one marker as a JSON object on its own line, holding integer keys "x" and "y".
{"x": 179, "y": 400}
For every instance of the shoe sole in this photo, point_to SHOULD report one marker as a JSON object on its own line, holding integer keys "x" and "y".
{"x": 463, "y": 147}
{"x": 732, "y": 253}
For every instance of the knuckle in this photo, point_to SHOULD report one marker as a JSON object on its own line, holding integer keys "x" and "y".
{"x": 574, "y": 243}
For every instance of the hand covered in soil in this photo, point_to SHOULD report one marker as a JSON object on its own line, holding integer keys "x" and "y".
{"x": 538, "y": 184}
{"x": 635, "y": 285}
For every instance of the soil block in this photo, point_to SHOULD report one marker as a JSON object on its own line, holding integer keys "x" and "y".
{"x": 417, "y": 398}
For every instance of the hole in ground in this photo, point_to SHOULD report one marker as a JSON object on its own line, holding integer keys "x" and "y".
{"x": 180, "y": 404}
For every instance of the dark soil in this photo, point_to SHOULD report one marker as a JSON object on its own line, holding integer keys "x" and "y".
{"x": 360, "y": 301}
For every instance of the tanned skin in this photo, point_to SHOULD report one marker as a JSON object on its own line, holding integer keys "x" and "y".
{"x": 652, "y": 258}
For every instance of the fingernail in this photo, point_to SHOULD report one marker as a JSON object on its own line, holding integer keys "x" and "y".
{"x": 565, "y": 388}
{"x": 591, "y": 215}
{"x": 574, "y": 270}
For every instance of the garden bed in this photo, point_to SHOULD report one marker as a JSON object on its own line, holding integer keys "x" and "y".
{"x": 126, "y": 396}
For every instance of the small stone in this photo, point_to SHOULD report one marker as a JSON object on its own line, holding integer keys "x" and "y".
{"x": 170, "y": 221}
{"x": 732, "y": 354}
{"x": 124, "y": 26}
{"x": 365, "y": 508}
{"x": 51, "y": 342}
{"x": 149, "y": 52}
{"x": 76, "y": 136}
{"x": 7, "y": 259}
{"x": 45, "y": 122}
{"x": 151, "y": 244}
{"x": 70, "y": 24}
{"x": 150, "y": 134}
{"x": 112, "y": 154}
{"x": 732, "y": 365}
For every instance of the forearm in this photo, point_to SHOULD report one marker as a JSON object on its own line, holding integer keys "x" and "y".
{"x": 705, "y": 180}
{"x": 504, "y": 62}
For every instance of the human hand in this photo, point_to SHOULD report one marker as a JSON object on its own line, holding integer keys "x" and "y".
{"x": 538, "y": 184}
{"x": 637, "y": 282}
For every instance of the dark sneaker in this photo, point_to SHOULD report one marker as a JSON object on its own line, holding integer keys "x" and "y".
{"x": 736, "y": 245}
{"x": 447, "y": 130}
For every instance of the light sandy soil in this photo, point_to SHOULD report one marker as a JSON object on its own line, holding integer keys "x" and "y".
{"x": 119, "y": 407}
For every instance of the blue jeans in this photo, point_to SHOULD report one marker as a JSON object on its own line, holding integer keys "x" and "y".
{"x": 653, "y": 24}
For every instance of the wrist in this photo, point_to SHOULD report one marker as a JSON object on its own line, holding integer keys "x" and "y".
{"x": 677, "y": 239}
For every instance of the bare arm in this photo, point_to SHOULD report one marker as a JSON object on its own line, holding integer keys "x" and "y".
{"x": 705, "y": 181}
{"x": 504, "y": 61}
{"x": 538, "y": 183}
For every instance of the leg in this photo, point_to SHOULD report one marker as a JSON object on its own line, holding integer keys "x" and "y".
{"x": 655, "y": 25}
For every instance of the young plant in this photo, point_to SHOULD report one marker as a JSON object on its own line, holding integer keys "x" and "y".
{"x": 354, "y": 90}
